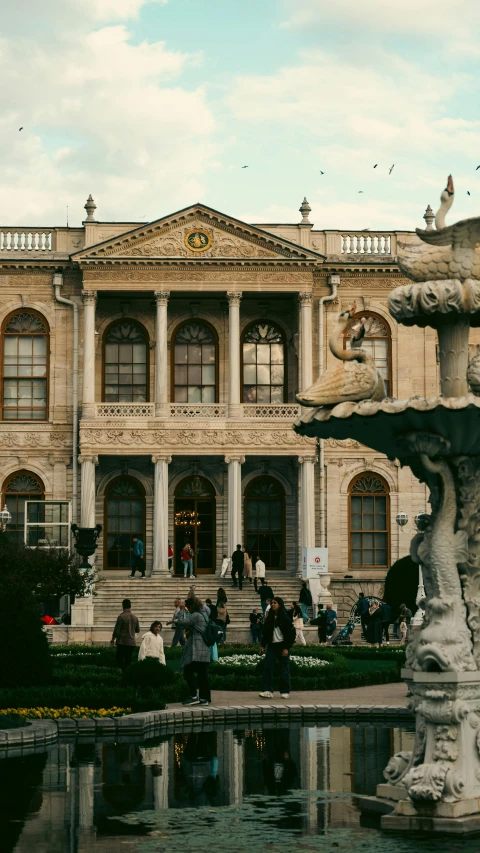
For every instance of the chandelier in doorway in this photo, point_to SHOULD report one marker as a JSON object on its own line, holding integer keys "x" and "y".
{"x": 187, "y": 518}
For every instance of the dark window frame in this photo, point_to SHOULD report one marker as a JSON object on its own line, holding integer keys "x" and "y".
{"x": 46, "y": 335}
{"x": 267, "y": 478}
{"x": 107, "y": 331}
{"x": 27, "y": 496}
{"x": 387, "y": 531}
{"x": 108, "y": 496}
{"x": 247, "y": 328}
{"x": 182, "y": 325}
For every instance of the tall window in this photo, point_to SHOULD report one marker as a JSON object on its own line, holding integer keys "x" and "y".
{"x": 19, "y": 487}
{"x": 369, "y": 522}
{"x": 25, "y": 366}
{"x": 265, "y": 521}
{"x": 376, "y": 341}
{"x": 126, "y": 363}
{"x": 124, "y": 520}
{"x": 263, "y": 354}
{"x": 195, "y": 364}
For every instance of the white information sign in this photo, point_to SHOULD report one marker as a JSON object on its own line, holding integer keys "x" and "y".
{"x": 314, "y": 562}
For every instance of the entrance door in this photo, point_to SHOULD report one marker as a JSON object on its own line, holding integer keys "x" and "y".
{"x": 124, "y": 520}
{"x": 195, "y": 524}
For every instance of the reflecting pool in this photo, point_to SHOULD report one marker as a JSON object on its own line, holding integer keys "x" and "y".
{"x": 265, "y": 789}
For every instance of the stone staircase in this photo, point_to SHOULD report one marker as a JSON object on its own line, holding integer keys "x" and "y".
{"x": 153, "y": 598}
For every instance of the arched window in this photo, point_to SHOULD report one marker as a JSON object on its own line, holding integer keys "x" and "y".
{"x": 194, "y": 364}
{"x": 124, "y": 520}
{"x": 126, "y": 363}
{"x": 19, "y": 487}
{"x": 265, "y": 521}
{"x": 369, "y": 522}
{"x": 377, "y": 341}
{"x": 264, "y": 364}
{"x": 25, "y": 367}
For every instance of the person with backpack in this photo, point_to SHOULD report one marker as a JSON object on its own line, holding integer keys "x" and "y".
{"x": 361, "y": 610}
{"x": 277, "y": 638}
{"x": 196, "y": 653}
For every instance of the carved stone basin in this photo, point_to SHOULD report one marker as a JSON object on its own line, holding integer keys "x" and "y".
{"x": 381, "y": 425}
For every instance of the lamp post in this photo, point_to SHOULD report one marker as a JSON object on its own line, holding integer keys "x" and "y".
{"x": 86, "y": 542}
{"x": 421, "y": 520}
{"x": 5, "y": 518}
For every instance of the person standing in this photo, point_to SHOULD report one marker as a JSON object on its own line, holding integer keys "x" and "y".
{"x": 407, "y": 613}
{"x": 298, "y": 624}
{"x": 221, "y": 595}
{"x": 170, "y": 556}
{"x": 152, "y": 644}
{"x": 225, "y": 565}
{"x": 264, "y": 592}
{"x": 196, "y": 654}
{"x": 402, "y": 627}
{"x": 278, "y": 637}
{"x": 259, "y": 572}
{"x": 256, "y": 624}
{"x": 247, "y": 566}
{"x": 331, "y": 615}
{"x": 305, "y": 599}
{"x": 123, "y": 635}
{"x": 321, "y": 623}
{"x": 222, "y": 619}
{"x": 237, "y": 566}
{"x": 179, "y": 633}
{"x": 362, "y": 611}
{"x": 186, "y": 555}
{"x": 386, "y": 619}
{"x": 138, "y": 552}
{"x": 374, "y": 625}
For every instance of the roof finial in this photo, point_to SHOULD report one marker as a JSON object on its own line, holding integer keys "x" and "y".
{"x": 429, "y": 216}
{"x": 305, "y": 209}
{"x": 90, "y": 207}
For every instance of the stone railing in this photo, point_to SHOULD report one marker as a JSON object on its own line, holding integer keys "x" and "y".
{"x": 366, "y": 243}
{"x": 198, "y": 410}
{"x": 282, "y": 410}
{"x": 27, "y": 240}
{"x": 125, "y": 410}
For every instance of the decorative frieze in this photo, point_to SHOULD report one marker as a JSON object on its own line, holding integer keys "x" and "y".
{"x": 217, "y": 440}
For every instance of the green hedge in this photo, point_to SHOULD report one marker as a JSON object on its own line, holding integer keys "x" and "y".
{"x": 147, "y": 699}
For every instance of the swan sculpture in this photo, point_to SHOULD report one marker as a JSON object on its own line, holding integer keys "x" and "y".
{"x": 356, "y": 378}
{"x": 454, "y": 250}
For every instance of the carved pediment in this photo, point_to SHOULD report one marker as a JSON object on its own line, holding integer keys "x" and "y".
{"x": 194, "y": 234}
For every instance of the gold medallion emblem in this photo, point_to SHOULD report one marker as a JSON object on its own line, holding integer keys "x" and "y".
{"x": 198, "y": 241}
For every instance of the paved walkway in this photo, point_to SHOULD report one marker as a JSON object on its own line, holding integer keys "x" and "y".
{"x": 394, "y": 695}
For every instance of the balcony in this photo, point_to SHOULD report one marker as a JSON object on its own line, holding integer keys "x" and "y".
{"x": 198, "y": 411}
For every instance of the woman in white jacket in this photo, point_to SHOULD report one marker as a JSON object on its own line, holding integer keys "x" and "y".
{"x": 297, "y": 619}
{"x": 152, "y": 644}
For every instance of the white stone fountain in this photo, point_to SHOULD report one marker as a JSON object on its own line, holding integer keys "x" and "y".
{"x": 437, "y": 786}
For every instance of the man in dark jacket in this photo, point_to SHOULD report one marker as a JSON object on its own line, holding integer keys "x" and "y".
{"x": 256, "y": 623}
{"x": 264, "y": 592}
{"x": 238, "y": 560}
{"x": 305, "y": 599}
{"x": 386, "y": 619}
{"x": 123, "y": 635}
{"x": 362, "y": 611}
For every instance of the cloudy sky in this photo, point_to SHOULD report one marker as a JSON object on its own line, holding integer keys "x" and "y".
{"x": 152, "y": 105}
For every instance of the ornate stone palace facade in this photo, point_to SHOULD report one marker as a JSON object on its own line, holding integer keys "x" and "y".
{"x": 184, "y": 342}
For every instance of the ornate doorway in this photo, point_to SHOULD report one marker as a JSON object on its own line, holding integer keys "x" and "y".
{"x": 124, "y": 519}
{"x": 194, "y": 519}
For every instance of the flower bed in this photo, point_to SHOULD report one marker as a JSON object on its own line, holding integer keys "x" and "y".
{"x": 251, "y": 662}
{"x": 65, "y": 713}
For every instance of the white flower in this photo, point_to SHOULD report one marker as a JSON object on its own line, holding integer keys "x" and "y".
{"x": 250, "y": 661}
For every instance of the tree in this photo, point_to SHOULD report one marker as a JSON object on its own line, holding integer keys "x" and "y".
{"x": 28, "y": 577}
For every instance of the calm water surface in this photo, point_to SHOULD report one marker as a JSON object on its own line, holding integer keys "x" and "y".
{"x": 268, "y": 790}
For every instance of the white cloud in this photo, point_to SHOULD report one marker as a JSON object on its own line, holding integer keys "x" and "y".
{"x": 456, "y": 22}
{"x": 102, "y": 114}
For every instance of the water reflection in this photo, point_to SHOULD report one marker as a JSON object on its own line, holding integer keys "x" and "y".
{"x": 75, "y": 797}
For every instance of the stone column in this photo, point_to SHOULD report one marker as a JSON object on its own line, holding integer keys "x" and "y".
{"x": 160, "y": 515}
{"x": 161, "y": 354}
{"x": 87, "y": 490}
{"x": 306, "y": 360}
{"x": 234, "y": 407}
{"x": 307, "y": 501}
{"x": 88, "y": 398}
{"x": 234, "y": 535}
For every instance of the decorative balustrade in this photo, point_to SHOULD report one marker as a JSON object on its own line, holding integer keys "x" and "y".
{"x": 27, "y": 240}
{"x": 200, "y": 410}
{"x": 367, "y": 244}
{"x": 125, "y": 410}
{"x": 267, "y": 411}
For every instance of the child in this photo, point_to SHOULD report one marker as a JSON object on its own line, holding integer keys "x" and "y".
{"x": 402, "y": 626}
{"x": 225, "y": 565}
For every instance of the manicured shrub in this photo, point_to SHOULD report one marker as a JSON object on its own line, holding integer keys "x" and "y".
{"x": 148, "y": 673}
{"x": 148, "y": 699}
{"x": 25, "y": 658}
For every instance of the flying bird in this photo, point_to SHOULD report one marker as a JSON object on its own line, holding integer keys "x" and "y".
{"x": 478, "y": 167}
{"x": 375, "y": 166}
{"x": 322, "y": 173}
{"x": 244, "y": 167}
{"x": 360, "y": 191}
{"x": 468, "y": 192}
{"x": 20, "y": 128}
{"x": 391, "y": 169}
